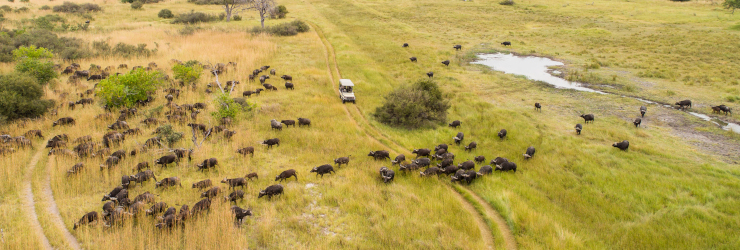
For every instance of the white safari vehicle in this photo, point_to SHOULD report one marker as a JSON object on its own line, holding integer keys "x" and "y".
{"x": 345, "y": 91}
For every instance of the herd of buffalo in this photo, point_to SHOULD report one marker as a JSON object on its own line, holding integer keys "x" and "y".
{"x": 120, "y": 205}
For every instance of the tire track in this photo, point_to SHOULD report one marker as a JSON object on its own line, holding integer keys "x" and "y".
{"x": 486, "y": 233}
{"x": 54, "y": 210}
{"x": 28, "y": 202}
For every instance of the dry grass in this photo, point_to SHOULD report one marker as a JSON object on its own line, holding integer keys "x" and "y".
{"x": 578, "y": 192}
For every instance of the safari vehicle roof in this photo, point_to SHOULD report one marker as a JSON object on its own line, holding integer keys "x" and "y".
{"x": 346, "y": 82}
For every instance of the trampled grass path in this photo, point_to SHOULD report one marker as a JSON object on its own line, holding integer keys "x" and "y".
{"x": 508, "y": 236}
{"x": 28, "y": 202}
{"x": 54, "y": 210}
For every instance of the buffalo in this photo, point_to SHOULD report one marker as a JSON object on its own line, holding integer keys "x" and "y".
{"x": 579, "y": 127}
{"x": 235, "y": 182}
{"x": 304, "y": 121}
{"x": 387, "y": 174}
{"x": 430, "y": 171}
{"x": 446, "y": 63}
{"x": 87, "y": 219}
{"x": 203, "y": 184}
{"x": 507, "y": 43}
{"x": 234, "y": 196}
{"x": 683, "y": 104}
{"x": 529, "y": 153}
{"x": 421, "y": 152}
{"x": 643, "y": 110}
{"x": 210, "y": 193}
{"x": 471, "y": 146}
{"x": 399, "y": 159}
{"x": 379, "y": 155}
{"x": 502, "y": 134}
{"x": 459, "y": 137}
{"x": 245, "y": 151}
{"x": 484, "y": 170}
{"x": 165, "y": 160}
{"x": 457, "y": 47}
{"x": 64, "y": 121}
{"x": 286, "y": 174}
{"x": 506, "y": 166}
{"x": 323, "y": 169}
{"x": 272, "y": 191}
{"x": 342, "y": 160}
{"x": 588, "y": 118}
{"x": 455, "y": 124}
{"x": 624, "y": 145}
{"x": 413, "y": 59}
{"x": 271, "y": 142}
{"x": 208, "y": 163}
{"x": 637, "y": 121}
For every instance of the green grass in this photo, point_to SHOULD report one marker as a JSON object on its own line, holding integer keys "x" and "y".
{"x": 577, "y": 192}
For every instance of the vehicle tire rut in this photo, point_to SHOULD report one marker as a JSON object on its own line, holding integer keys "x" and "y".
{"x": 28, "y": 202}
{"x": 56, "y": 217}
{"x": 485, "y": 231}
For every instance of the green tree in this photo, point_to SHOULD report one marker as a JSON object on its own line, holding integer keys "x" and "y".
{"x": 731, "y": 5}
{"x": 127, "y": 89}
{"x": 227, "y": 107}
{"x": 165, "y": 13}
{"x": 20, "y": 96}
{"x": 34, "y": 62}
{"x": 187, "y": 74}
{"x": 419, "y": 105}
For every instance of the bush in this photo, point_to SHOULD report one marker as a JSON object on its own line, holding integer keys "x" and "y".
{"x": 187, "y": 74}
{"x": 283, "y": 29}
{"x": 137, "y": 5}
{"x": 68, "y": 7}
{"x": 67, "y": 48}
{"x": 188, "y": 30}
{"x": 49, "y": 22}
{"x": 206, "y": 2}
{"x": 279, "y": 12}
{"x": 6, "y": 8}
{"x": 237, "y": 18}
{"x": 506, "y": 2}
{"x": 169, "y": 135}
{"x": 127, "y": 50}
{"x": 25, "y": 1}
{"x": 195, "y": 17}
{"x": 166, "y": 14}
{"x": 227, "y": 107}
{"x": 31, "y": 61}
{"x": 45, "y": 7}
{"x": 21, "y": 10}
{"x": 12, "y": 1}
{"x": 416, "y": 106}
{"x": 127, "y": 89}
{"x": 20, "y": 97}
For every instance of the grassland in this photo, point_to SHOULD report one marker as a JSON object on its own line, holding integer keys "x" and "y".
{"x": 578, "y": 191}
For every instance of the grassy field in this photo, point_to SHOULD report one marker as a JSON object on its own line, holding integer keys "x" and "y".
{"x": 578, "y": 192}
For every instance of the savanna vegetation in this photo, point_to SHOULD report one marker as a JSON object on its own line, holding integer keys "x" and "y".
{"x": 675, "y": 188}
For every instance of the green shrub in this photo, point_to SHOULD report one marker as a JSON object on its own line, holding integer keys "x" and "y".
{"x": 45, "y": 7}
{"x": 227, "y": 107}
{"x": 283, "y": 29}
{"x": 31, "y": 61}
{"x": 169, "y": 135}
{"x": 195, "y": 17}
{"x": 165, "y": 13}
{"x": 25, "y": 1}
{"x": 128, "y": 50}
{"x": 187, "y": 74}
{"x": 127, "y": 1}
{"x": 68, "y": 7}
{"x": 206, "y": 2}
{"x": 66, "y": 47}
{"x": 12, "y": 1}
{"x": 237, "y": 18}
{"x": 21, "y": 10}
{"x": 279, "y": 12}
{"x": 137, "y": 5}
{"x": 49, "y": 22}
{"x": 20, "y": 97}
{"x": 6, "y": 8}
{"x": 416, "y": 106}
{"x": 731, "y": 5}
{"x": 127, "y": 89}
{"x": 188, "y": 30}
{"x": 506, "y": 2}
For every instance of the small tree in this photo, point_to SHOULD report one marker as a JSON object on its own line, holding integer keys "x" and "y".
{"x": 186, "y": 74}
{"x": 227, "y": 107}
{"x": 169, "y": 135}
{"x": 127, "y": 89}
{"x": 263, "y": 7}
{"x": 233, "y": 7}
{"x": 20, "y": 96}
{"x": 731, "y": 5}
{"x": 415, "y": 106}
{"x": 34, "y": 62}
